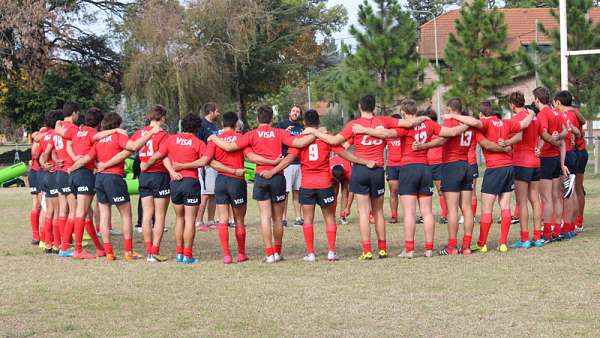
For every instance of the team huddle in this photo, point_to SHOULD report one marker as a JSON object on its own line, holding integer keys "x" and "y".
{"x": 539, "y": 153}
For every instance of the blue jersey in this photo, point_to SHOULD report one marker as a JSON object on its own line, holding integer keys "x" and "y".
{"x": 295, "y": 129}
{"x": 208, "y": 128}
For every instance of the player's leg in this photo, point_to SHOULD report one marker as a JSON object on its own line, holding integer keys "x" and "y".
{"x": 536, "y": 209}
{"x": 485, "y": 223}
{"x": 308, "y": 210}
{"x": 34, "y": 218}
{"x": 443, "y": 205}
{"x": 409, "y": 207}
{"x": 580, "y": 201}
{"x": 277, "y": 209}
{"x": 393, "y": 184}
{"x": 330, "y": 230}
{"x": 67, "y": 236}
{"x": 161, "y": 205}
{"x": 474, "y": 198}
{"x": 571, "y": 208}
{"x": 264, "y": 208}
{"x": 428, "y": 223}
{"x": 364, "y": 208}
{"x": 104, "y": 213}
{"x": 522, "y": 196}
{"x": 189, "y": 233}
{"x": 81, "y": 212}
{"x": 505, "y": 219}
{"x": 179, "y": 227}
{"x": 127, "y": 224}
{"x": 239, "y": 216}
{"x": 147, "y": 217}
{"x": 465, "y": 207}
{"x": 223, "y": 229}
{"x": 346, "y": 199}
{"x": 380, "y": 228}
{"x": 452, "y": 200}
{"x": 557, "y": 200}
{"x": 548, "y": 210}
{"x": 63, "y": 211}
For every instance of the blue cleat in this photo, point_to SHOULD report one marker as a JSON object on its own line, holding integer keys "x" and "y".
{"x": 526, "y": 244}
{"x": 566, "y": 236}
{"x": 189, "y": 260}
{"x": 573, "y": 233}
{"x": 179, "y": 258}
{"x": 538, "y": 243}
{"x": 517, "y": 245}
{"x": 68, "y": 253}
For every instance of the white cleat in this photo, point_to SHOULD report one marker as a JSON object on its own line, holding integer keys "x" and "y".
{"x": 310, "y": 258}
{"x": 269, "y": 259}
{"x": 461, "y": 220}
{"x": 408, "y": 255}
{"x": 331, "y": 256}
{"x": 277, "y": 257}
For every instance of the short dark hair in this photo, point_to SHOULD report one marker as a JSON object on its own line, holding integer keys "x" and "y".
{"x": 156, "y": 112}
{"x": 111, "y": 121}
{"x": 396, "y": 116}
{"x": 338, "y": 173}
{"x": 191, "y": 123}
{"x": 542, "y": 94}
{"x": 409, "y": 106}
{"x": 486, "y": 109}
{"x": 264, "y": 114}
{"x": 229, "y": 119}
{"x": 209, "y": 107}
{"x": 311, "y": 118}
{"x": 456, "y": 104}
{"x": 69, "y": 108}
{"x": 517, "y": 98}
{"x": 52, "y": 117}
{"x": 429, "y": 113}
{"x": 367, "y": 103}
{"x": 564, "y": 97}
{"x": 93, "y": 117}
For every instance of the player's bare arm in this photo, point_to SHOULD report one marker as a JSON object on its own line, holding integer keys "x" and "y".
{"x": 104, "y": 133}
{"x": 157, "y": 156}
{"x": 175, "y": 176}
{"x": 468, "y": 120}
{"x": 280, "y": 167}
{"x": 201, "y": 162}
{"x": 493, "y": 146}
{"x": 139, "y": 143}
{"x": 260, "y": 160}
{"x": 118, "y": 158}
{"x": 220, "y": 167}
{"x": 434, "y": 143}
{"x": 301, "y": 142}
{"x": 411, "y": 122}
{"x": 381, "y": 133}
{"x": 516, "y": 138}
{"x": 333, "y": 140}
{"x": 346, "y": 155}
{"x": 219, "y": 142}
{"x": 524, "y": 123}
{"x": 453, "y": 131}
{"x": 80, "y": 163}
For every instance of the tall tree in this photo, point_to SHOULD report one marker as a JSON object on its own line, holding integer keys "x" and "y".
{"x": 528, "y": 3}
{"x": 386, "y": 41}
{"x": 476, "y": 56}
{"x": 421, "y": 9}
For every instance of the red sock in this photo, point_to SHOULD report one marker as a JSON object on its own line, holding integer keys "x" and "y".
{"x": 331, "y": 230}
{"x": 516, "y": 213}
{"x": 277, "y": 248}
{"x": 67, "y": 235}
{"x": 187, "y": 252}
{"x": 179, "y": 250}
{"x": 428, "y": 246}
{"x": 34, "y": 219}
{"x": 128, "y": 245}
{"x": 484, "y": 228}
{"x": 504, "y": 225}
{"x": 537, "y": 234}
{"x": 91, "y": 230}
{"x": 443, "y": 206}
{"x": 579, "y": 221}
{"x": 155, "y": 249}
{"x": 48, "y": 231}
{"x": 394, "y": 215}
{"x": 109, "y": 248}
{"x": 452, "y": 243}
{"x": 56, "y": 230}
{"x": 240, "y": 236}
{"x": 474, "y": 206}
{"x": 524, "y": 235}
{"x": 547, "y": 230}
{"x": 224, "y": 238}
{"x": 556, "y": 230}
{"x": 562, "y": 217}
{"x": 309, "y": 238}
{"x": 466, "y": 243}
{"x": 79, "y": 226}
{"x": 409, "y": 246}
{"x": 269, "y": 251}
{"x": 382, "y": 245}
{"x": 366, "y": 246}
{"x": 148, "y": 247}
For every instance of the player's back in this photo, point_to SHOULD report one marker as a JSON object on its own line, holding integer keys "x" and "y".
{"x": 106, "y": 148}
{"x": 184, "y": 148}
{"x": 314, "y": 164}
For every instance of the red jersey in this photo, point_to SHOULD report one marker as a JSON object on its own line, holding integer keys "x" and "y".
{"x": 35, "y": 165}
{"x": 524, "y": 151}
{"x": 314, "y": 164}
{"x": 44, "y": 142}
{"x": 580, "y": 142}
{"x": 234, "y": 159}
{"x": 571, "y": 120}
{"x": 550, "y": 121}
{"x": 266, "y": 141}
{"x": 106, "y": 148}
{"x": 422, "y": 133}
{"x": 471, "y": 155}
{"x": 183, "y": 148}
{"x": 338, "y": 160}
{"x": 434, "y": 155}
{"x": 365, "y": 146}
{"x": 150, "y": 147}
{"x": 494, "y": 129}
{"x": 457, "y": 148}
{"x": 394, "y": 152}
{"x": 60, "y": 145}
{"x": 81, "y": 142}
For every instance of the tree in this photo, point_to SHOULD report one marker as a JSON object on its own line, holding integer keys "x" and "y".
{"x": 528, "y": 3}
{"x": 385, "y": 59}
{"x": 419, "y": 9}
{"x": 584, "y": 79}
{"x": 476, "y": 56}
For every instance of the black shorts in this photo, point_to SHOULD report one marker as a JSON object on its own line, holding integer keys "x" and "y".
{"x": 32, "y": 179}
{"x": 62, "y": 182}
{"x": 474, "y": 170}
{"x": 582, "y": 160}
{"x": 231, "y": 190}
{"x": 571, "y": 161}
{"x": 50, "y": 185}
{"x": 185, "y": 191}
{"x": 393, "y": 173}
{"x": 497, "y": 181}
{"x": 456, "y": 177}
{"x": 367, "y": 181}
{"x": 550, "y": 168}
{"x": 436, "y": 172}
{"x": 272, "y": 189}
{"x": 526, "y": 174}
{"x": 111, "y": 189}
{"x": 82, "y": 182}
{"x": 323, "y": 197}
{"x": 155, "y": 185}
{"x": 415, "y": 179}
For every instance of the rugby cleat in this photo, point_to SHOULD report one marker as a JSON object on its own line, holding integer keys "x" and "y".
{"x": 419, "y": 220}
{"x": 310, "y": 258}
{"x": 189, "y": 260}
{"x": 521, "y": 245}
{"x": 179, "y": 258}
{"x": 476, "y": 247}
{"x": 428, "y": 253}
{"x": 66, "y": 253}
{"x": 408, "y": 255}
{"x": 269, "y": 259}
{"x": 448, "y": 251}
{"x": 299, "y": 222}
{"x": 42, "y": 245}
{"x": 514, "y": 220}
{"x": 365, "y": 256}
{"x": 83, "y": 255}
{"x": 443, "y": 220}
{"x": 111, "y": 257}
{"x": 131, "y": 255}
{"x": 155, "y": 258}
{"x": 332, "y": 256}
{"x": 242, "y": 258}
{"x": 503, "y": 248}
{"x": 35, "y": 242}
{"x": 344, "y": 221}
{"x": 277, "y": 257}
{"x": 382, "y": 254}
{"x": 516, "y": 245}
{"x": 227, "y": 260}
{"x": 538, "y": 243}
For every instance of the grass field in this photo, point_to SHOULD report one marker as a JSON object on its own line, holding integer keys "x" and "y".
{"x": 553, "y": 291}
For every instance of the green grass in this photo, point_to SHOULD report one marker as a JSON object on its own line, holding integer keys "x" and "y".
{"x": 553, "y": 291}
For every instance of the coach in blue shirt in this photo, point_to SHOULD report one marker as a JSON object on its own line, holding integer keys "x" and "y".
{"x": 208, "y": 175}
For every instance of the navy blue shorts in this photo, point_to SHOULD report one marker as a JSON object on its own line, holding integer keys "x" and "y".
{"x": 474, "y": 170}
{"x": 582, "y": 160}
{"x": 367, "y": 181}
{"x": 62, "y": 182}
{"x": 32, "y": 179}
{"x": 185, "y": 191}
{"x": 436, "y": 172}
{"x": 526, "y": 174}
{"x": 456, "y": 177}
{"x": 155, "y": 185}
{"x": 111, "y": 189}
{"x": 497, "y": 181}
{"x": 82, "y": 182}
{"x": 231, "y": 190}
{"x": 50, "y": 185}
{"x": 393, "y": 173}
{"x": 323, "y": 197}
{"x": 571, "y": 161}
{"x": 272, "y": 189}
{"x": 550, "y": 168}
{"x": 415, "y": 179}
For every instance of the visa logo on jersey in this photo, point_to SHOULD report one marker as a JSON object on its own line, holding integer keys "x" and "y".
{"x": 106, "y": 139}
{"x": 230, "y": 139}
{"x": 82, "y": 133}
{"x": 497, "y": 123}
{"x": 396, "y": 143}
{"x": 266, "y": 134}
{"x": 421, "y": 126}
{"x": 183, "y": 141}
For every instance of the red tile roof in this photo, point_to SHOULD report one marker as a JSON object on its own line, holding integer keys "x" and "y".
{"x": 520, "y": 21}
